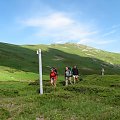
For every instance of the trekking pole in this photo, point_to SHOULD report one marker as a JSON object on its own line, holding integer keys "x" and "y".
{"x": 40, "y": 71}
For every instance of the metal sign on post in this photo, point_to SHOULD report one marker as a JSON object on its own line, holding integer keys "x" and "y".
{"x": 40, "y": 71}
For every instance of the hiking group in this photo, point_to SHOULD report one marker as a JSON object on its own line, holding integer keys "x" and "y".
{"x": 69, "y": 73}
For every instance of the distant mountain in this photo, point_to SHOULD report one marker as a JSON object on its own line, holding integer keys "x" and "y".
{"x": 15, "y": 58}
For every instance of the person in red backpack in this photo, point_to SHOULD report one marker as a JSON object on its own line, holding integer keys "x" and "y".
{"x": 55, "y": 70}
{"x": 53, "y": 77}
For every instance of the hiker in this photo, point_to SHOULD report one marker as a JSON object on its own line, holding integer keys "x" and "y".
{"x": 102, "y": 71}
{"x": 68, "y": 75}
{"x": 75, "y": 73}
{"x": 53, "y": 77}
{"x": 55, "y": 70}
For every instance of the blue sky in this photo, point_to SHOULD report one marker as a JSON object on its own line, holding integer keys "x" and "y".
{"x": 94, "y": 23}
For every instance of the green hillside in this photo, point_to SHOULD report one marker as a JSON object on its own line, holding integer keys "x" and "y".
{"x": 23, "y": 59}
{"x": 93, "y": 97}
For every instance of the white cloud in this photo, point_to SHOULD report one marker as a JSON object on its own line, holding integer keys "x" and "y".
{"x": 87, "y": 41}
{"x": 104, "y": 42}
{"x": 52, "y": 21}
{"x": 59, "y": 27}
{"x": 59, "y": 42}
{"x": 109, "y": 33}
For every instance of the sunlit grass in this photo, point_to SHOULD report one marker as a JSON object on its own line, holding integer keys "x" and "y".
{"x": 89, "y": 99}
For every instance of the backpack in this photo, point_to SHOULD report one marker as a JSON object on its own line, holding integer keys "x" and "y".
{"x": 55, "y": 70}
{"x": 52, "y": 74}
{"x": 68, "y": 73}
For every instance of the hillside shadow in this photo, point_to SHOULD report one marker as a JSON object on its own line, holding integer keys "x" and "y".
{"x": 19, "y": 58}
{"x": 86, "y": 65}
{"x": 25, "y": 59}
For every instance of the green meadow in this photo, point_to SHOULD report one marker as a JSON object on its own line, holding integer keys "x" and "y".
{"x": 93, "y": 97}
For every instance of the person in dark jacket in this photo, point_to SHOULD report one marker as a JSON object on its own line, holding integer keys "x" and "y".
{"x": 75, "y": 73}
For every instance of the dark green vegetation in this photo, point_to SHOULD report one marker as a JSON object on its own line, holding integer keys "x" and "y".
{"x": 23, "y": 60}
{"x": 92, "y": 98}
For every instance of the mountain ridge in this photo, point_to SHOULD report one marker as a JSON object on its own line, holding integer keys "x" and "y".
{"x": 89, "y": 60}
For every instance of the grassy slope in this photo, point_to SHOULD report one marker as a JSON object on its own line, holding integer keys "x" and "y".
{"x": 18, "y": 60}
{"x": 93, "y": 98}
{"x": 23, "y": 59}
